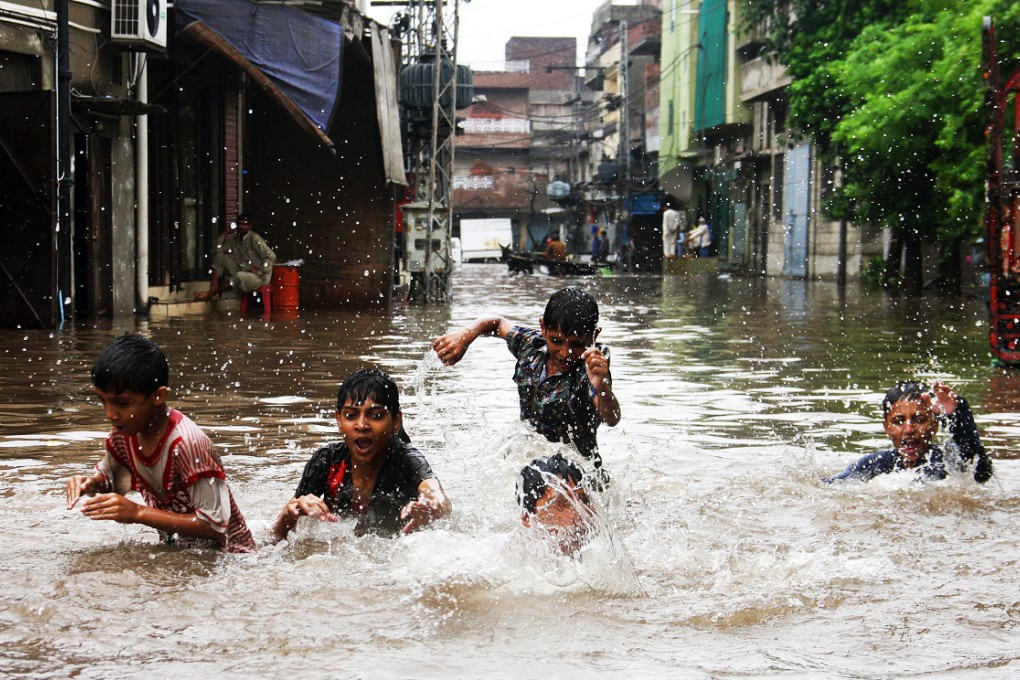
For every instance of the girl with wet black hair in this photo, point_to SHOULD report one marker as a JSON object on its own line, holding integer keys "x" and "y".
{"x": 373, "y": 473}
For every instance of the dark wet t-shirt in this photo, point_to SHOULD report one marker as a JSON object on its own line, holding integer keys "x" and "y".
{"x": 328, "y": 476}
{"x": 966, "y": 450}
{"x": 562, "y": 406}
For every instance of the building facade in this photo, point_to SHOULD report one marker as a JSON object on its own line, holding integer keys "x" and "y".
{"x": 173, "y": 135}
{"x": 519, "y": 135}
{"x": 622, "y": 67}
{"x": 728, "y": 155}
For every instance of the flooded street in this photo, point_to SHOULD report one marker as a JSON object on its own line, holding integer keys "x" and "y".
{"x": 719, "y": 552}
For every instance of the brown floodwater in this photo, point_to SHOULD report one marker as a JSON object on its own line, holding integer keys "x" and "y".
{"x": 717, "y": 552}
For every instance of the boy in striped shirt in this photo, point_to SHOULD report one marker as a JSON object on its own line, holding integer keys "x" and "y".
{"x": 158, "y": 452}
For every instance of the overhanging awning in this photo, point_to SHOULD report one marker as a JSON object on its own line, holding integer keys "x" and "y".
{"x": 294, "y": 56}
{"x": 114, "y": 106}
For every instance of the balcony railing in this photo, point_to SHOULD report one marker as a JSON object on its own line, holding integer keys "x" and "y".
{"x": 488, "y": 126}
{"x": 759, "y": 78}
{"x": 472, "y": 182}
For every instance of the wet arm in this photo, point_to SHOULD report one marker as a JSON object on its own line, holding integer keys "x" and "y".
{"x": 597, "y": 367}
{"x": 965, "y": 435}
{"x": 452, "y": 346}
{"x": 866, "y": 468}
{"x": 851, "y": 471}
{"x": 113, "y": 506}
{"x": 85, "y": 485}
{"x": 432, "y": 504}
{"x": 606, "y": 403}
{"x": 305, "y": 506}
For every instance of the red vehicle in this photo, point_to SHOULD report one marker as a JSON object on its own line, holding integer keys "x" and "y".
{"x": 1002, "y": 219}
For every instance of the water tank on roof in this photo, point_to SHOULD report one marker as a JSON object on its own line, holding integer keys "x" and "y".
{"x": 418, "y": 80}
{"x": 557, "y": 189}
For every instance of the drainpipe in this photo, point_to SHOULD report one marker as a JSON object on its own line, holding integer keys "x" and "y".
{"x": 142, "y": 190}
{"x": 63, "y": 296}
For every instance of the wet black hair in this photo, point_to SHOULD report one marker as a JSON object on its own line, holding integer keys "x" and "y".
{"x": 243, "y": 217}
{"x": 533, "y": 483}
{"x": 131, "y": 363}
{"x": 903, "y": 391}
{"x": 572, "y": 312}
{"x": 369, "y": 382}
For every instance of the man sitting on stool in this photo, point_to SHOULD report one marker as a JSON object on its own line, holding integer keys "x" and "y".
{"x": 241, "y": 260}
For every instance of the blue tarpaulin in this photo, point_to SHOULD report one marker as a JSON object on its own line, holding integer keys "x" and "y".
{"x": 644, "y": 204}
{"x": 298, "y": 51}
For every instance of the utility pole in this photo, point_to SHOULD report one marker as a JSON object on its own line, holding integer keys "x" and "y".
{"x": 431, "y": 40}
{"x": 573, "y": 160}
{"x": 624, "y": 149}
{"x": 625, "y": 105}
{"x": 444, "y": 129}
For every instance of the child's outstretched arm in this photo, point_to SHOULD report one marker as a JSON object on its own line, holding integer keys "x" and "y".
{"x": 80, "y": 485}
{"x": 432, "y": 504}
{"x": 963, "y": 429}
{"x": 113, "y": 506}
{"x": 308, "y": 505}
{"x": 452, "y": 346}
{"x": 597, "y": 367}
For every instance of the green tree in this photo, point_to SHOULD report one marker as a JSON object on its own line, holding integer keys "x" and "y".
{"x": 902, "y": 102}
{"x": 811, "y": 38}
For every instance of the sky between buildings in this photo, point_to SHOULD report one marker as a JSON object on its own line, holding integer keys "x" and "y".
{"x": 487, "y": 25}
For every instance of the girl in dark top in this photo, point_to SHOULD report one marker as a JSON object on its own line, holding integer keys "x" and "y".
{"x": 374, "y": 473}
{"x": 911, "y": 420}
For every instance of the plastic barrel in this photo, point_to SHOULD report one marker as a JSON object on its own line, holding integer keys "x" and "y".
{"x": 285, "y": 287}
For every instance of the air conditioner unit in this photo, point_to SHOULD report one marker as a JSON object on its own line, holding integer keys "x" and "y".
{"x": 139, "y": 23}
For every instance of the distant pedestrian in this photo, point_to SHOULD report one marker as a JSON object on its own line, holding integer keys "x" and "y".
{"x": 556, "y": 250}
{"x": 673, "y": 226}
{"x": 600, "y": 247}
{"x": 699, "y": 241}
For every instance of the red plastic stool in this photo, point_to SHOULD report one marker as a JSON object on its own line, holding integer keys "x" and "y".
{"x": 266, "y": 293}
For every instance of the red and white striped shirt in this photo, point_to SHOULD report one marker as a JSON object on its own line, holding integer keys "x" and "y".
{"x": 183, "y": 475}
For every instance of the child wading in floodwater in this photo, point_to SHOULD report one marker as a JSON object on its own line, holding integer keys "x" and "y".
{"x": 911, "y": 420}
{"x": 373, "y": 473}
{"x": 563, "y": 380}
{"x": 552, "y": 497}
{"x": 159, "y": 452}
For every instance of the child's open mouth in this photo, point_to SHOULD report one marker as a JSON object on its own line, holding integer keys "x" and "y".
{"x": 363, "y": 444}
{"x": 910, "y": 449}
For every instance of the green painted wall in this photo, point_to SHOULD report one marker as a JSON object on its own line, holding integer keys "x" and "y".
{"x": 710, "y": 107}
{"x": 677, "y": 80}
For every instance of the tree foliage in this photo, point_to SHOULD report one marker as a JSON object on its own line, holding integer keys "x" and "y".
{"x": 894, "y": 89}
{"x": 812, "y": 38}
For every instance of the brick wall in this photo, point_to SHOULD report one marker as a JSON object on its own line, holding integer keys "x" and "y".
{"x": 543, "y": 52}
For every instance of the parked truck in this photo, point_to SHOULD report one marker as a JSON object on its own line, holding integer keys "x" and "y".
{"x": 482, "y": 239}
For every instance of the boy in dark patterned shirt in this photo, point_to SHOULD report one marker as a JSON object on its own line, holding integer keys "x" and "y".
{"x": 563, "y": 380}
